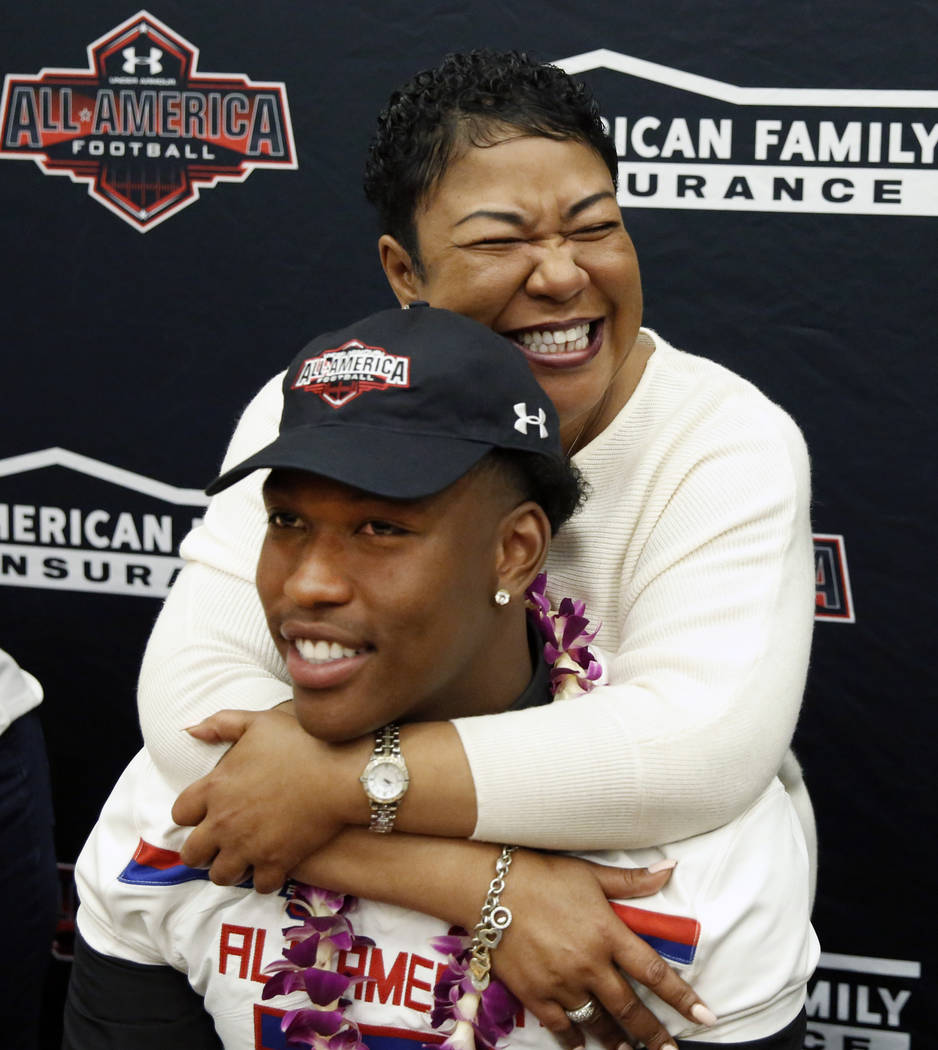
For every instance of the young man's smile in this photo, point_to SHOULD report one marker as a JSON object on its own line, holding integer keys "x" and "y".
{"x": 381, "y": 609}
{"x": 321, "y": 664}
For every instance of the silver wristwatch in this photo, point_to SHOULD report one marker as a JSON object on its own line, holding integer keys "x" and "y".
{"x": 385, "y": 778}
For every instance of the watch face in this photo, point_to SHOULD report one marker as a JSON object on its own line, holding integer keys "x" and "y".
{"x": 386, "y": 781}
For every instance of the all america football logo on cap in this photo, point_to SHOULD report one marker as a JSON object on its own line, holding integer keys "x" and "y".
{"x": 340, "y": 375}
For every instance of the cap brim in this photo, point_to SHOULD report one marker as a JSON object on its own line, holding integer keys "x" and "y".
{"x": 386, "y": 463}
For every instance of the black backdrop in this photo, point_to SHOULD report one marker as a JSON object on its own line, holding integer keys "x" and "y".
{"x": 131, "y": 353}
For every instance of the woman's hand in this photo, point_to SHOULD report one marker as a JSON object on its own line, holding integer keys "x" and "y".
{"x": 268, "y": 805}
{"x": 566, "y": 946}
{"x": 272, "y": 800}
{"x": 279, "y": 794}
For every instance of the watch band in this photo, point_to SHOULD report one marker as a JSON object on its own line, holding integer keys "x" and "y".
{"x": 387, "y": 752}
{"x": 383, "y": 815}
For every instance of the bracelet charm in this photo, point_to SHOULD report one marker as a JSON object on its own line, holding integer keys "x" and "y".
{"x": 495, "y": 919}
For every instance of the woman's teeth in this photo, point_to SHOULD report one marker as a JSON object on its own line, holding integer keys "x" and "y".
{"x": 556, "y": 340}
{"x": 322, "y": 652}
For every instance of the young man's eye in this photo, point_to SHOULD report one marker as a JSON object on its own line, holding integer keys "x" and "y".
{"x": 376, "y": 527}
{"x": 282, "y": 519}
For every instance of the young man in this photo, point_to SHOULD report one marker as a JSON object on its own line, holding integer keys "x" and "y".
{"x": 415, "y": 482}
{"x": 417, "y": 477}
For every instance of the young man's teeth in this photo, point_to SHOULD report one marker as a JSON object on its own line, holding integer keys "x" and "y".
{"x": 322, "y": 652}
{"x": 556, "y": 340}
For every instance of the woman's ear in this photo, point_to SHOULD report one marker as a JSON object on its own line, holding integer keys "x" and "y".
{"x": 524, "y": 539}
{"x": 399, "y": 269}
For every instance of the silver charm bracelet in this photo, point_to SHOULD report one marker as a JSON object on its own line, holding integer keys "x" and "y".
{"x": 491, "y": 926}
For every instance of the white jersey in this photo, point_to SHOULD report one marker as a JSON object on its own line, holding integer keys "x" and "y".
{"x": 733, "y": 920}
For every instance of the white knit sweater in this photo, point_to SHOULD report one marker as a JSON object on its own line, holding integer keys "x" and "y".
{"x": 694, "y": 551}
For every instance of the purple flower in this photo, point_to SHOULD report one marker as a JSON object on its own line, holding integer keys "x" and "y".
{"x": 462, "y": 1037}
{"x": 451, "y": 943}
{"x": 479, "y": 1019}
{"x": 305, "y": 1023}
{"x": 324, "y": 1030}
{"x": 332, "y": 928}
{"x": 573, "y": 668}
{"x": 307, "y": 965}
{"x": 323, "y": 986}
{"x": 497, "y": 1011}
{"x": 320, "y": 901}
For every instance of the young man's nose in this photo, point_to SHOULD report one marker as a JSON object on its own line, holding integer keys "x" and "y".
{"x": 319, "y": 577}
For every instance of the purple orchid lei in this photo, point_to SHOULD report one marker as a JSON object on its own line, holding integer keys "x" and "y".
{"x": 476, "y": 1018}
{"x": 473, "y": 1018}
{"x": 309, "y": 964}
{"x": 573, "y": 667}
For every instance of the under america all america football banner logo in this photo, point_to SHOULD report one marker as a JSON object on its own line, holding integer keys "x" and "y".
{"x": 141, "y": 126}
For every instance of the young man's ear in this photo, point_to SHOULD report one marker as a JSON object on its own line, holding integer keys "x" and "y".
{"x": 524, "y": 539}
{"x": 399, "y": 269}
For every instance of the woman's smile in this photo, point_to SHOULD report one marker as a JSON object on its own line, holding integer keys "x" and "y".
{"x": 526, "y": 236}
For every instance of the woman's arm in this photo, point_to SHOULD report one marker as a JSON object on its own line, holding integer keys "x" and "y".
{"x": 707, "y": 679}
{"x": 709, "y": 617}
{"x": 565, "y": 944}
{"x": 559, "y": 912}
{"x": 695, "y": 552}
{"x": 210, "y": 648}
{"x": 281, "y": 795}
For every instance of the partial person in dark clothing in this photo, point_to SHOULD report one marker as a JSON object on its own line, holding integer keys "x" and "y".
{"x": 28, "y": 877}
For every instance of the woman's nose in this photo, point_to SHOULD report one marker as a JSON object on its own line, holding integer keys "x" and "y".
{"x": 556, "y": 274}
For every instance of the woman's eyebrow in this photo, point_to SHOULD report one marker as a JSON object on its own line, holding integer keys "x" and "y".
{"x": 588, "y": 202}
{"x": 514, "y": 218}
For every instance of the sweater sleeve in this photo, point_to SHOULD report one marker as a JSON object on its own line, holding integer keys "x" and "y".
{"x": 712, "y": 571}
{"x": 210, "y": 648}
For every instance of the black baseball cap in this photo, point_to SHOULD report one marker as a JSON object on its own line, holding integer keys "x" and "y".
{"x": 403, "y": 403}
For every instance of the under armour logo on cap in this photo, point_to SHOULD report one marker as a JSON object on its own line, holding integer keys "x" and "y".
{"x": 524, "y": 420}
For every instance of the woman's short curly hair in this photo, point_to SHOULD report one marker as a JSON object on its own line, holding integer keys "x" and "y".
{"x": 470, "y": 98}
